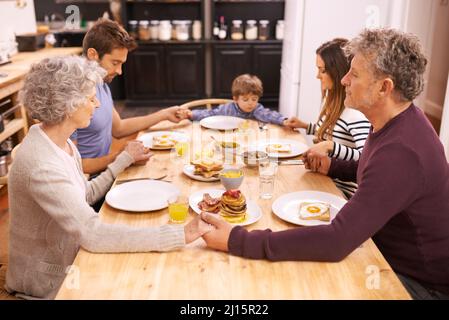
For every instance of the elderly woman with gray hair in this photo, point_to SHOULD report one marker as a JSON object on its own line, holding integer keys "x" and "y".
{"x": 49, "y": 196}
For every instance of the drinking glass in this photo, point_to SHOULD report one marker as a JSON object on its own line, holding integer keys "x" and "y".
{"x": 178, "y": 209}
{"x": 267, "y": 174}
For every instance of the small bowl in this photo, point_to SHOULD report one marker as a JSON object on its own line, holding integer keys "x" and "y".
{"x": 253, "y": 158}
{"x": 231, "y": 182}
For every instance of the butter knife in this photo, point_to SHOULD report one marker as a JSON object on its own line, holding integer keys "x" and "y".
{"x": 290, "y": 162}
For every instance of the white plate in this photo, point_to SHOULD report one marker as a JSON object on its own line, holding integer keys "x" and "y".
{"x": 297, "y": 148}
{"x": 286, "y": 206}
{"x": 142, "y": 195}
{"x": 147, "y": 138}
{"x": 189, "y": 169}
{"x": 253, "y": 211}
{"x": 221, "y": 122}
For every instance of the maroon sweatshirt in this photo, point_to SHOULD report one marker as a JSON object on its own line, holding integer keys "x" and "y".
{"x": 402, "y": 202}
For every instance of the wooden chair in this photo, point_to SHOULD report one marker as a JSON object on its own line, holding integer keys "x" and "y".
{"x": 208, "y": 103}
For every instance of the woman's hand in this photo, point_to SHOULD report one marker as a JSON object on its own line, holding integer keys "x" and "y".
{"x": 196, "y": 228}
{"x": 317, "y": 162}
{"x": 138, "y": 151}
{"x": 219, "y": 236}
{"x": 294, "y": 122}
{"x": 323, "y": 147}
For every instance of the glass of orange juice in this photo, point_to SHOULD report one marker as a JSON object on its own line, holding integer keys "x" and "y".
{"x": 178, "y": 209}
{"x": 181, "y": 147}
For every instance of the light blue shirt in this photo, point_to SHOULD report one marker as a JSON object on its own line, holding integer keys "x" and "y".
{"x": 232, "y": 109}
{"x": 95, "y": 140}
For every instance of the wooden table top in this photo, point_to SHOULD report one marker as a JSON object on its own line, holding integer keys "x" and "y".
{"x": 197, "y": 272}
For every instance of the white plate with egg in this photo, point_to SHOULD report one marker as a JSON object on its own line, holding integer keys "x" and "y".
{"x": 168, "y": 139}
{"x": 221, "y": 122}
{"x": 288, "y": 148}
{"x": 253, "y": 211}
{"x": 288, "y": 206}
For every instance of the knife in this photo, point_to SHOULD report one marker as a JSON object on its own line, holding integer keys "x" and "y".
{"x": 290, "y": 162}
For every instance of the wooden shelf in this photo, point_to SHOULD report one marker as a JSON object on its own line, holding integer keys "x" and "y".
{"x": 11, "y": 128}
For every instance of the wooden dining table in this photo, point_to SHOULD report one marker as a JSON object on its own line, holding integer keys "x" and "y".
{"x": 197, "y": 272}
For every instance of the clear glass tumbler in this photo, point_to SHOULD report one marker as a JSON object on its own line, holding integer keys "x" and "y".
{"x": 267, "y": 175}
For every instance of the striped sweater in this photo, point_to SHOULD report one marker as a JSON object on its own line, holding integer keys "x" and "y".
{"x": 348, "y": 136}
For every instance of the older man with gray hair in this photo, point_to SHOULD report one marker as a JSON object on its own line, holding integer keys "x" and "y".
{"x": 403, "y": 177}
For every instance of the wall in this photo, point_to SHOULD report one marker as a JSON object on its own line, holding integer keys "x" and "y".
{"x": 444, "y": 133}
{"x": 316, "y": 21}
{"x": 17, "y": 20}
{"x": 323, "y": 20}
{"x": 439, "y": 62}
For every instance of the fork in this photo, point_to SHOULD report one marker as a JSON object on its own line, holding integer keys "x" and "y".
{"x": 262, "y": 125}
{"x": 137, "y": 179}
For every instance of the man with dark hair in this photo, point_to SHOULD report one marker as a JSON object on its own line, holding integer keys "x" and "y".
{"x": 403, "y": 177}
{"x": 108, "y": 44}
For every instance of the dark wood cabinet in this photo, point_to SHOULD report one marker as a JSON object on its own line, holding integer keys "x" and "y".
{"x": 164, "y": 74}
{"x": 171, "y": 72}
{"x": 185, "y": 71}
{"x": 232, "y": 59}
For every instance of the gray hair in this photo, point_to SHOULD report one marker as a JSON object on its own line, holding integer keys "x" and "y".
{"x": 55, "y": 87}
{"x": 395, "y": 54}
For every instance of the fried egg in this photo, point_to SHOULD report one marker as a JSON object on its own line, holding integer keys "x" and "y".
{"x": 314, "y": 210}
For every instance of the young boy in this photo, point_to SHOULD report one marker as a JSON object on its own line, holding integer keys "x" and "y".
{"x": 246, "y": 91}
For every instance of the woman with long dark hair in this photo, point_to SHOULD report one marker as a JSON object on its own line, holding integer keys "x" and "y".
{"x": 340, "y": 132}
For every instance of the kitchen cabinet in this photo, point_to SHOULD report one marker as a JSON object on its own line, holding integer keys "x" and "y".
{"x": 165, "y": 74}
{"x": 170, "y": 72}
{"x": 263, "y": 60}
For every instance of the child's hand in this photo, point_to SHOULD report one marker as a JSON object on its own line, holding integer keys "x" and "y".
{"x": 184, "y": 113}
{"x": 294, "y": 122}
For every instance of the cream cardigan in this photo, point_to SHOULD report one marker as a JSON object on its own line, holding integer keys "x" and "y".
{"x": 50, "y": 220}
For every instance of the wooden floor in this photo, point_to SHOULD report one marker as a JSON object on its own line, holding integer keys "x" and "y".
{"x": 116, "y": 145}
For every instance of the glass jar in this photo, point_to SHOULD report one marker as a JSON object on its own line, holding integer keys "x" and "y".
{"x": 251, "y": 30}
{"x": 154, "y": 29}
{"x": 133, "y": 29}
{"x": 264, "y": 29}
{"x": 144, "y": 30}
{"x": 165, "y": 30}
{"x": 182, "y": 30}
{"x": 280, "y": 30}
{"x": 237, "y": 30}
{"x": 196, "y": 30}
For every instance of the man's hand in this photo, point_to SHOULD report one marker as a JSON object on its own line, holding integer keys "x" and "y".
{"x": 294, "y": 122}
{"x": 196, "y": 228}
{"x": 217, "y": 238}
{"x": 173, "y": 114}
{"x": 323, "y": 147}
{"x": 317, "y": 162}
{"x": 184, "y": 113}
{"x": 138, "y": 151}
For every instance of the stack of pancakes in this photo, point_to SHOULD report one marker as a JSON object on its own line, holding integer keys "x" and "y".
{"x": 233, "y": 206}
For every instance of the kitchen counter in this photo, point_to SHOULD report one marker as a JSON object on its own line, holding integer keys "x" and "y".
{"x": 22, "y": 62}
